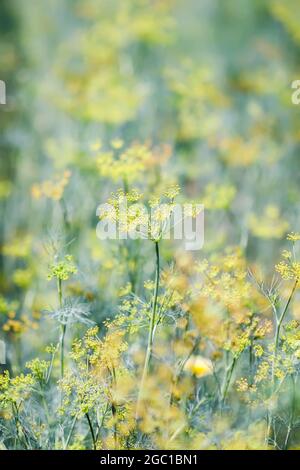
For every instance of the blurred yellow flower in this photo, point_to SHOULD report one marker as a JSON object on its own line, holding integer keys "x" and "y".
{"x": 96, "y": 145}
{"x": 270, "y": 224}
{"x": 51, "y": 189}
{"x": 117, "y": 143}
{"x": 199, "y": 366}
{"x": 293, "y": 237}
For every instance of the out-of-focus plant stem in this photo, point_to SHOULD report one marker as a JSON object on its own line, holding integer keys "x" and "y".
{"x": 63, "y": 331}
{"x": 276, "y": 344}
{"x": 91, "y": 430}
{"x": 227, "y": 379}
{"x": 151, "y": 327}
{"x": 279, "y": 323}
{"x": 71, "y": 432}
{"x": 292, "y": 414}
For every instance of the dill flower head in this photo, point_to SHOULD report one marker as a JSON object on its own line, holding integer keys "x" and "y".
{"x": 172, "y": 191}
{"x": 62, "y": 270}
{"x": 15, "y": 389}
{"x": 130, "y": 211}
{"x": 293, "y": 237}
{"x": 124, "y": 165}
{"x": 288, "y": 271}
{"x": 289, "y": 268}
{"x": 199, "y": 366}
{"x": 39, "y": 368}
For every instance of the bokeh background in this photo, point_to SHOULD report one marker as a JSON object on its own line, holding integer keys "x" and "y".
{"x": 206, "y": 84}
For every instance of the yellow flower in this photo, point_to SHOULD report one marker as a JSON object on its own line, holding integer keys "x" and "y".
{"x": 217, "y": 197}
{"x": 117, "y": 143}
{"x": 288, "y": 271}
{"x": 96, "y": 145}
{"x": 199, "y": 366}
{"x": 242, "y": 385}
{"x": 51, "y": 189}
{"x": 5, "y": 189}
{"x": 270, "y": 224}
{"x": 293, "y": 237}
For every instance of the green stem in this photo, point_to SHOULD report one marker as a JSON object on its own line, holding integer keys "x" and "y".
{"x": 45, "y": 408}
{"x": 91, "y": 430}
{"x": 50, "y": 368}
{"x": 65, "y": 214}
{"x": 59, "y": 290}
{"x": 70, "y": 433}
{"x": 292, "y": 414}
{"x": 63, "y": 331}
{"x": 227, "y": 380}
{"x": 62, "y": 350}
{"x": 279, "y": 323}
{"x": 276, "y": 344}
{"x": 151, "y": 326}
{"x": 114, "y": 414}
{"x": 19, "y": 425}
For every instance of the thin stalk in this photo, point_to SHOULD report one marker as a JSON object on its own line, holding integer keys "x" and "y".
{"x": 115, "y": 430}
{"x": 177, "y": 373}
{"x": 63, "y": 331}
{"x": 62, "y": 350}
{"x": 227, "y": 380}
{"x": 50, "y": 368}
{"x": 16, "y": 419}
{"x": 281, "y": 318}
{"x": 276, "y": 344}
{"x": 91, "y": 430}
{"x": 65, "y": 214}
{"x": 71, "y": 432}
{"x": 292, "y": 414}
{"x": 100, "y": 425}
{"x": 114, "y": 408}
{"x": 19, "y": 425}
{"x": 151, "y": 326}
{"x": 45, "y": 407}
{"x": 59, "y": 290}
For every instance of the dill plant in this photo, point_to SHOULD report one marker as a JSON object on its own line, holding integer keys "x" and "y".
{"x": 61, "y": 271}
{"x": 205, "y": 354}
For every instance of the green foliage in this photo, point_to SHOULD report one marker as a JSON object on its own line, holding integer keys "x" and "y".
{"x": 149, "y": 345}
